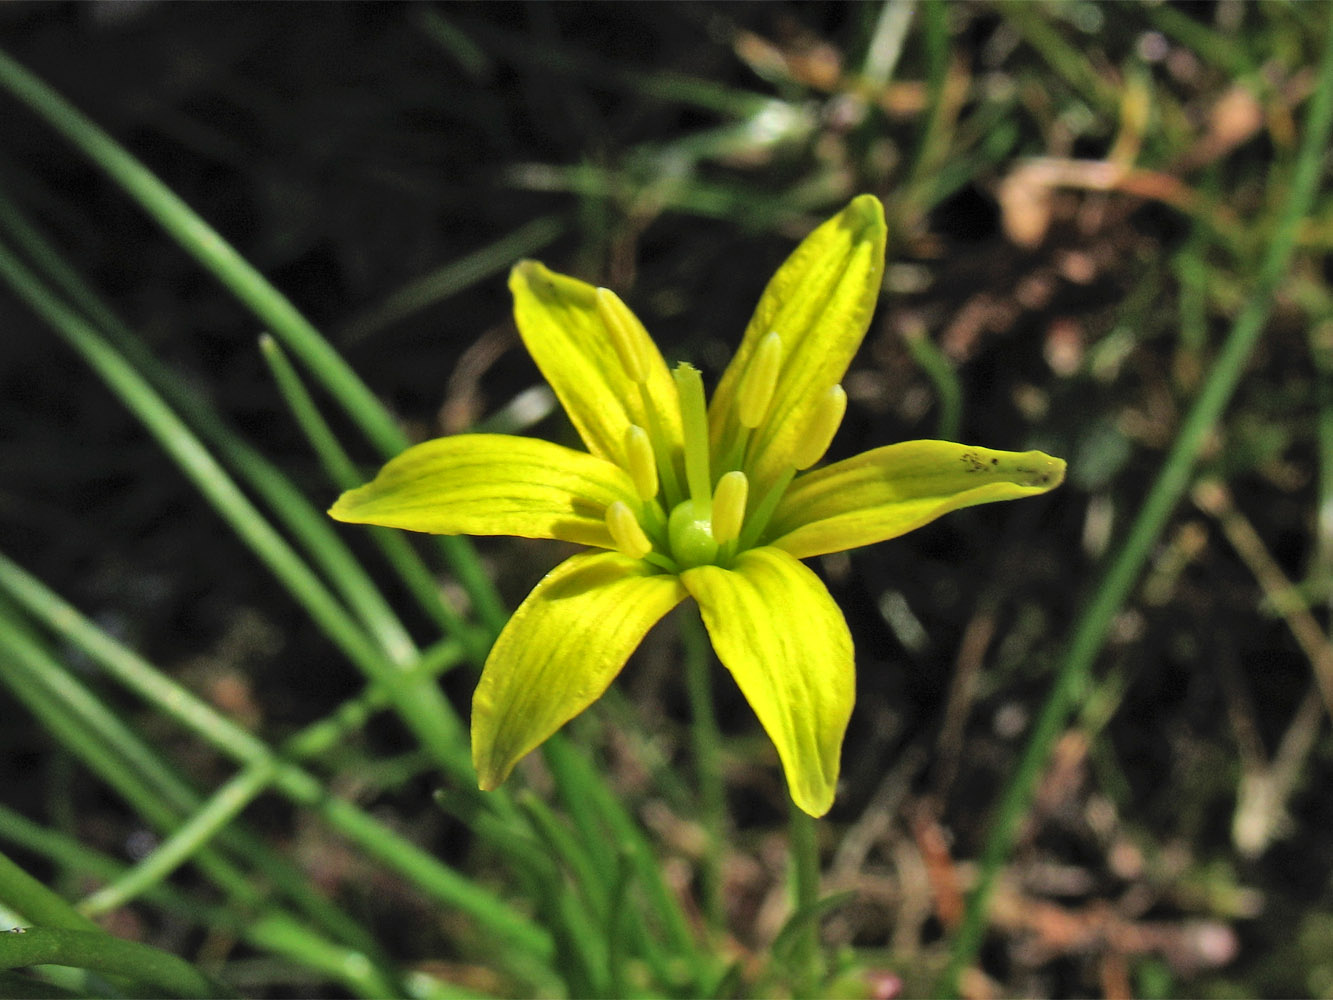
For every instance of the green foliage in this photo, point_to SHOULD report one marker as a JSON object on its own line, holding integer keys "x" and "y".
{"x": 1106, "y": 239}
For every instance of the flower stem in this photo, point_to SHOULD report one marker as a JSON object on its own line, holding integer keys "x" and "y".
{"x": 707, "y": 746}
{"x": 803, "y": 845}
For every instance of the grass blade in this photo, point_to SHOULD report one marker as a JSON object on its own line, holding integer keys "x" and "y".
{"x": 1170, "y": 485}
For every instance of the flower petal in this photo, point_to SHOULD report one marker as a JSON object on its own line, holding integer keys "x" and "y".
{"x": 778, "y": 631}
{"x": 562, "y": 647}
{"x": 819, "y": 303}
{"x": 558, "y": 319}
{"x": 893, "y": 490}
{"x": 492, "y": 484}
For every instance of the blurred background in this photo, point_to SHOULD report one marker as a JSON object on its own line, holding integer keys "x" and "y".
{"x": 1079, "y": 196}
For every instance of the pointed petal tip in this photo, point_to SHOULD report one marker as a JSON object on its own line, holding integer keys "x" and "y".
{"x": 343, "y": 509}
{"x": 1045, "y": 471}
{"x": 865, "y": 213}
{"x": 491, "y": 774}
{"x": 813, "y": 805}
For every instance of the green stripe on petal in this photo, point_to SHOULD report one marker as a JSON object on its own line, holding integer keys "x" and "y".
{"x": 777, "y": 629}
{"x": 890, "y": 491}
{"x": 562, "y": 647}
{"x": 492, "y": 484}
{"x": 562, "y": 329}
{"x": 819, "y": 303}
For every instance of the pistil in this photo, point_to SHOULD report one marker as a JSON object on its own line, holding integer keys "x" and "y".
{"x": 694, "y": 426}
{"x": 690, "y": 525}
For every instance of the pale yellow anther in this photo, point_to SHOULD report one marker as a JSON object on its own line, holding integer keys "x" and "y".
{"x": 759, "y": 381}
{"x": 825, "y": 419}
{"x": 626, "y": 532}
{"x": 733, "y": 490}
{"x": 627, "y": 334}
{"x": 640, "y": 462}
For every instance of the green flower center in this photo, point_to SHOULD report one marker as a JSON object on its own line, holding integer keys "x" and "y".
{"x": 701, "y": 521}
{"x": 690, "y": 534}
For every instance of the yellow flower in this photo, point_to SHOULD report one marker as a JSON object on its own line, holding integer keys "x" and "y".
{"x": 676, "y": 499}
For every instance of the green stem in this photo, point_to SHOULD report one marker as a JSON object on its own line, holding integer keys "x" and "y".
{"x": 803, "y": 844}
{"x": 707, "y": 741}
{"x": 1171, "y": 484}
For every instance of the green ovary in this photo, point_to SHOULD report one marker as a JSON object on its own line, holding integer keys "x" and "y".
{"x": 690, "y": 534}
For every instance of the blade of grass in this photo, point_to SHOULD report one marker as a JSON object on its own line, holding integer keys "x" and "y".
{"x": 344, "y": 474}
{"x": 69, "y": 853}
{"x": 101, "y": 952}
{"x": 456, "y": 276}
{"x": 1034, "y": 23}
{"x": 431, "y": 876}
{"x": 937, "y": 367}
{"x": 932, "y": 143}
{"x": 1120, "y": 576}
{"x": 528, "y": 54}
{"x": 272, "y": 308}
{"x": 576, "y": 920}
{"x": 113, "y": 752}
{"x": 589, "y": 799}
{"x": 222, "y": 807}
{"x": 273, "y": 932}
{"x": 201, "y": 240}
{"x": 310, "y": 526}
{"x": 423, "y": 708}
{"x": 21, "y": 892}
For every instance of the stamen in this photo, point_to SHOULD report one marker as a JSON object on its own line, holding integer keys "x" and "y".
{"x": 824, "y": 422}
{"x": 759, "y": 382}
{"x": 627, "y": 334}
{"x": 694, "y": 427}
{"x": 626, "y": 532}
{"x": 666, "y": 466}
{"x": 733, "y": 490}
{"x": 641, "y": 462}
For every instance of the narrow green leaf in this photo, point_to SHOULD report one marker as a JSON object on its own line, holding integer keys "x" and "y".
{"x": 99, "y": 951}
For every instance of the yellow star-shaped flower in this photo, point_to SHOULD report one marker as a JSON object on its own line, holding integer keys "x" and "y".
{"x": 677, "y": 498}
